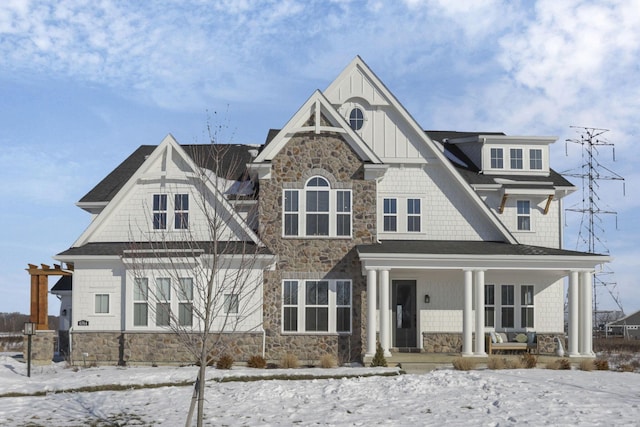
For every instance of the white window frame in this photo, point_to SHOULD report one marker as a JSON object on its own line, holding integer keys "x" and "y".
{"x": 523, "y": 302}
{"x": 412, "y": 215}
{"x": 490, "y": 305}
{"x": 162, "y": 301}
{"x": 497, "y": 158}
{"x": 140, "y": 299}
{"x": 159, "y": 211}
{"x": 181, "y": 211}
{"x": 535, "y": 161}
{"x": 507, "y": 305}
{"x": 295, "y": 217}
{"x": 295, "y": 303}
{"x": 98, "y": 306}
{"x": 523, "y": 212}
{"x": 527, "y": 306}
{"x": 516, "y": 159}
{"x": 185, "y": 301}
{"x": 231, "y": 304}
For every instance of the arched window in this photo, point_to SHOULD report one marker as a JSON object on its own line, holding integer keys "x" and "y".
{"x": 356, "y": 118}
{"x": 317, "y": 210}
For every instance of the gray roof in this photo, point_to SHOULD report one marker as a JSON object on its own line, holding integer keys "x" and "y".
{"x": 459, "y": 247}
{"x": 632, "y": 319}
{"x": 234, "y": 158}
{"x": 65, "y": 283}
{"x": 186, "y": 248}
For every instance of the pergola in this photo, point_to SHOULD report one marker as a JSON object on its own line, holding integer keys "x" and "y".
{"x": 40, "y": 290}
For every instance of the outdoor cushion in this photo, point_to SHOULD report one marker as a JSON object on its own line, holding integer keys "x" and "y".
{"x": 522, "y": 338}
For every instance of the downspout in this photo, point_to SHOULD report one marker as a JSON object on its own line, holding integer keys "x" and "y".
{"x": 264, "y": 342}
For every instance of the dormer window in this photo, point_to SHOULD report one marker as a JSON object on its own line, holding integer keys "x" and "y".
{"x": 356, "y": 118}
{"x": 497, "y": 160}
{"x": 516, "y": 158}
{"x": 535, "y": 159}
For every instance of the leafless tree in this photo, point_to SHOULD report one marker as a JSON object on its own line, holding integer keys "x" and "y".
{"x": 212, "y": 239}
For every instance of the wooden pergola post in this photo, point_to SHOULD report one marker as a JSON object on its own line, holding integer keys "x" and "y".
{"x": 40, "y": 292}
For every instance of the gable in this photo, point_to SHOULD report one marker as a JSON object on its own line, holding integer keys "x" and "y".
{"x": 168, "y": 170}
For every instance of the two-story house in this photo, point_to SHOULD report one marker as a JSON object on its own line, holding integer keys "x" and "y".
{"x": 361, "y": 226}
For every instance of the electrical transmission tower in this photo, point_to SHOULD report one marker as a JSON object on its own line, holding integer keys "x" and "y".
{"x": 591, "y": 231}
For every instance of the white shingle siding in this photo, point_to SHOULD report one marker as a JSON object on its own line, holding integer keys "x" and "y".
{"x": 89, "y": 279}
{"x": 448, "y": 212}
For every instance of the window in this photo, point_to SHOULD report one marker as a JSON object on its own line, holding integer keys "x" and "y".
{"x": 507, "y": 309}
{"x": 290, "y": 306}
{"x": 316, "y": 306}
{"x": 343, "y": 306}
{"x": 291, "y": 213}
{"x": 231, "y": 303}
{"x": 526, "y": 306}
{"x": 535, "y": 158}
{"x": 163, "y": 304}
{"x": 317, "y": 207}
{"x": 490, "y": 306}
{"x": 524, "y": 215}
{"x": 317, "y": 210}
{"x": 102, "y": 303}
{"x": 356, "y": 119}
{"x": 185, "y": 305}
{"x": 413, "y": 215}
{"x": 181, "y": 209}
{"x": 497, "y": 161}
{"x": 343, "y": 213}
{"x": 516, "y": 158}
{"x": 159, "y": 211}
{"x": 140, "y": 298}
{"x": 390, "y": 215}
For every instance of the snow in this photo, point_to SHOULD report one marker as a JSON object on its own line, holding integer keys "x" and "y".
{"x": 455, "y": 398}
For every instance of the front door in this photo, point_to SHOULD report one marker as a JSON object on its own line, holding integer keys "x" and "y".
{"x": 404, "y": 313}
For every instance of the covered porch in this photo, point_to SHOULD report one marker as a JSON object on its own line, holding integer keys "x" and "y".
{"x": 404, "y": 277}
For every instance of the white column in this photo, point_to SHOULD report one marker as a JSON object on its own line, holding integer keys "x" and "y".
{"x": 479, "y": 285}
{"x": 372, "y": 288}
{"x": 467, "y": 315}
{"x": 385, "y": 326}
{"x": 574, "y": 320}
{"x": 586, "y": 313}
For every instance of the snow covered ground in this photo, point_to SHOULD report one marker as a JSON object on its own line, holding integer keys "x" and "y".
{"x": 446, "y": 396}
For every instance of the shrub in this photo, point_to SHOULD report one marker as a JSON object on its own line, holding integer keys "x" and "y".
{"x": 626, "y": 367}
{"x": 587, "y": 365}
{"x": 601, "y": 364}
{"x": 464, "y": 363}
{"x": 225, "y": 362}
{"x": 496, "y": 363}
{"x": 257, "y": 362}
{"x": 515, "y": 363}
{"x": 289, "y": 361}
{"x": 562, "y": 364}
{"x": 378, "y": 358}
{"x": 529, "y": 361}
{"x": 328, "y": 361}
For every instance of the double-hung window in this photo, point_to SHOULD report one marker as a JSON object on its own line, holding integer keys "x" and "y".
{"x": 526, "y": 306}
{"x": 102, "y": 303}
{"x": 507, "y": 309}
{"x": 316, "y": 306}
{"x": 413, "y": 215}
{"x": 524, "y": 215}
{"x": 185, "y": 304}
{"x": 231, "y": 304}
{"x": 516, "y": 158}
{"x": 497, "y": 159}
{"x": 140, "y": 301}
{"x": 181, "y": 211}
{"x": 535, "y": 159}
{"x": 163, "y": 301}
{"x": 159, "y": 211}
{"x": 317, "y": 210}
{"x": 490, "y": 306}
{"x": 390, "y": 215}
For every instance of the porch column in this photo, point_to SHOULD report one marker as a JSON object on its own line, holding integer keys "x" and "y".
{"x": 372, "y": 287}
{"x": 574, "y": 321}
{"x": 385, "y": 327}
{"x": 467, "y": 319}
{"x": 479, "y": 282}
{"x": 586, "y": 313}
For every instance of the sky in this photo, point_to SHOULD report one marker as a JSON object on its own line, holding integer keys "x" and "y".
{"x": 487, "y": 397}
{"x": 84, "y": 83}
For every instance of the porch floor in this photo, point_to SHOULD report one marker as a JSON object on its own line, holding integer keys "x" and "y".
{"x": 416, "y": 363}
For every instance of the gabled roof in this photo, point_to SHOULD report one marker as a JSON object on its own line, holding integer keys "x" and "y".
{"x": 168, "y": 144}
{"x": 65, "y": 283}
{"x": 236, "y": 157}
{"x": 319, "y": 107}
{"x": 169, "y": 248}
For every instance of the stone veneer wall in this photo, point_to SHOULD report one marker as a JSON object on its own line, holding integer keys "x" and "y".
{"x": 434, "y": 342}
{"x": 305, "y": 155}
{"x": 42, "y": 344}
{"x": 156, "y": 347}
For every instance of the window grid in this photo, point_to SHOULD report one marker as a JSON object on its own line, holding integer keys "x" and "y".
{"x": 507, "y": 310}
{"x": 185, "y": 301}
{"x": 159, "y": 211}
{"x": 535, "y": 159}
{"x": 497, "y": 158}
{"x": 526, "y": 306}
{"x": 163, "y": 301}
{"x": 413, "y": 215}
{"x": 516, "y": 158}
{"x": 356, "y": 119}
{"x": 291, "y": 210}
{"x": 290, "y": 305}
{"x": 390, "y": 215}
{"x": 140, "y": 302}
{"x": 231, "y": 303}
{"x": 490, "y": 306}
{"x": 181, "y": 209}
{"x": 524, "y": 215}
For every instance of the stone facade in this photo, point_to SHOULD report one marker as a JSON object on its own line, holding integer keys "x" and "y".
{"x": 145, "y": 348}
{"x": 306, "y": 155}
{"x": 42, "y": 345}
{"x": 433, "y": 342}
